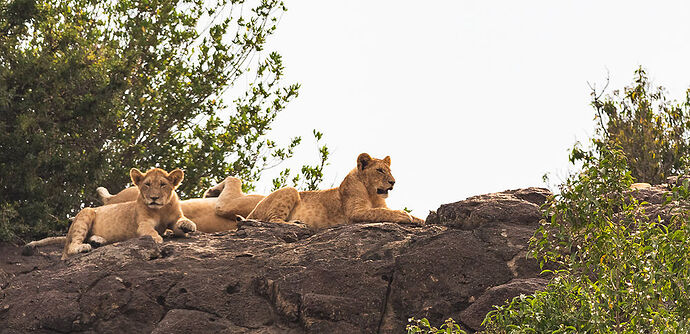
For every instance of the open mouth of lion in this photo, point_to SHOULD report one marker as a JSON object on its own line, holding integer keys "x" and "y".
{"x": 383, "y": 191}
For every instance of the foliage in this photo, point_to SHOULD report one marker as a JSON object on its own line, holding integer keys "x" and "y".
{"x": 311, "y": 176}
{"x": 423, "y": 326}
{"x": 619, "y": 272}
{"x": 89, "y": 89}
{"x": 653, "y": 132}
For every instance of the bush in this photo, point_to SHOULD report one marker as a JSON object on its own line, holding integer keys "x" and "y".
{"x": 618, "y": 271}
{"x": 423, "y": 326}
{"x": 653, "y": 132}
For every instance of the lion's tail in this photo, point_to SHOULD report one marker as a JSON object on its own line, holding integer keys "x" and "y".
{"x": 103, "y": 194}
{"x": 29, "y": 249}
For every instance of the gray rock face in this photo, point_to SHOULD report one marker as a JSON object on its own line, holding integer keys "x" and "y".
{"x": 279, "y": 278}
{"x": 473, "y": 315}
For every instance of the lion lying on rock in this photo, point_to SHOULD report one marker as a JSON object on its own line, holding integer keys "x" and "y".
{"x": 217, "y": 211}
{"x": 156, "y": 209}
{"x": 359, "y": 198}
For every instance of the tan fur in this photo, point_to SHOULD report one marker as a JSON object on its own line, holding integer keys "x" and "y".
{"x": 47, "y": 241}
{"x": 231, "y": 201}
{"x": 156, "y": 208}
{"x": 211, "y": 214}
{"x": 359, "y": 198}
{"x": 641, "y": 185}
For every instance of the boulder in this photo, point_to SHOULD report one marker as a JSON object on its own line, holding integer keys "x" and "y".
{"x": 473, "y": 315}
{"x": 284, "y": 278}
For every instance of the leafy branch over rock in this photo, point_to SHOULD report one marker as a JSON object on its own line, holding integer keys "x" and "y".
{"x": 89, "y": 89}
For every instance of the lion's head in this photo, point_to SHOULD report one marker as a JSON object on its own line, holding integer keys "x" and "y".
{"x": 375, "y": 174}
{"x": 156, "y": 186}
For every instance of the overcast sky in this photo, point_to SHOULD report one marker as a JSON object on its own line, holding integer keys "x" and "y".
{"x": 467, "y": 97}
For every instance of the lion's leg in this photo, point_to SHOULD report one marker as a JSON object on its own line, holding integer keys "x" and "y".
{"x": 214, "y": 191}
{"x": 147, "y": 228}
{"x": 183, "y": 226}
{"x": 231, "y": 186}
{"x": 226, "y": 203}
{"x": 77, "y": 233}
{"x": 240, "y": 206}
{"x": 277, "y": 206}
{"x": 97, "y": 241}
{"x": 375, "y": 215}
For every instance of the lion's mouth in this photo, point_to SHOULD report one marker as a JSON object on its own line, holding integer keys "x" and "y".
{"x": 154, "y": 204}
{"x": 383, "y": 191}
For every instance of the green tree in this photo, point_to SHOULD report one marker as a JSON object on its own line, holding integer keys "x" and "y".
{"x": 653, "y": 131}
{"x": 619, "y": 272}
{"x": 91, "y": 88}
{"x": 311, "y": 176}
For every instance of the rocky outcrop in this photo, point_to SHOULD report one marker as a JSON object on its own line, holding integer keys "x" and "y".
{"x": 475, "y": 313}
{"x": 280, "y": 278}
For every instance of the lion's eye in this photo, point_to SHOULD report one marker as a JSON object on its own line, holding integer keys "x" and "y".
{"x": 380, "y": 170}
{"x": 148, "y": 184}
{"x": 163, "y": 184}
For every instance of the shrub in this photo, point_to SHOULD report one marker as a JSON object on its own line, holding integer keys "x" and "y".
{"x": 652, "y": 131}
{"x": 619, "y": 272}
{"x": 422, "y": 326}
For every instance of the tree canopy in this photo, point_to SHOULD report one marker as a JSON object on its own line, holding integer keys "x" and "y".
{"x": 92, "y": 88}
{"x": 652, "y": 131}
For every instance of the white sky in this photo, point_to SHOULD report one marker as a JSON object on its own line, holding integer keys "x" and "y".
{"x": 467, "y": 97}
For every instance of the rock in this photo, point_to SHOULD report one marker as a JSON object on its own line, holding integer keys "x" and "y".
{"x": 513, "y": 206}
{"x": 473, "y": 315}
{"x": 654, "y": 201}
{"x": 676, "y": 180}
{"x": 191, "y": 321}
{"x": 439, "y": 277}
{"x": 4, "y": 277}
{"x": 28, "y": 250}
{"x": 284, "y": 278}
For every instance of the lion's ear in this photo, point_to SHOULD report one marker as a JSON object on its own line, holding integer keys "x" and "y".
{"x": 176, "y": 177}
{"x": 387, "y": 160}
{"x": 136, "y": 175}
{"x": 363, "y": 160}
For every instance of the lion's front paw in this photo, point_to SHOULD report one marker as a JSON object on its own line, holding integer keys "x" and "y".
{"x": 412, "y": 219}
{"x": 78, "y": 248}
{"x": 187, "y": 226}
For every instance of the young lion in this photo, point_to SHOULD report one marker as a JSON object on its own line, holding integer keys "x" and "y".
{"x": 217, "y": 211}
{"x": 157, "y": 207}
{"x": 359, "y": 198}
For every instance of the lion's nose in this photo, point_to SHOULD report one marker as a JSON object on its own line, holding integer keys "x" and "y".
{"x": 153, "y": 198}
{"x": 392, "y": 182}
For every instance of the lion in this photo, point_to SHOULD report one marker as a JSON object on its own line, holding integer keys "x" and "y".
{"x": 218, "y": 211}
{"x": 156, "y": 209}
{"x": 361, "y": 197}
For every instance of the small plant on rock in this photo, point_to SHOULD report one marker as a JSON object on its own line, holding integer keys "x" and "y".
{"x": 422, "y": 326}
